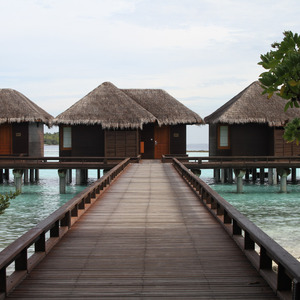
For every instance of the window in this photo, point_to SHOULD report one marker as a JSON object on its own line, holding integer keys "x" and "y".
{"x": 223, "y": 137}
{"x": 67, "y": 138}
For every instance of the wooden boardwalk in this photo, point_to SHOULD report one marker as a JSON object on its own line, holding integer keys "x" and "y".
{"x": 147, "y": 237}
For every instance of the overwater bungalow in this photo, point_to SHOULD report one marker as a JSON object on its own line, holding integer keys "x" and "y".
{"x": 21, "y": 125}
{"x": 251, "y": 124}
{"x": 115, "y": 122}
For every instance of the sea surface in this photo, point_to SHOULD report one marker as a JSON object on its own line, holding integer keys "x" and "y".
{"x": 278, "y": 214}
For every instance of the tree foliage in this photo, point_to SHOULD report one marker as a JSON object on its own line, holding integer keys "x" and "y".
{"x": 283, "y": 65}
{"x": 51, "y": 138}
{"x": 283, "y": 76}
{"x": 5, "y": 200}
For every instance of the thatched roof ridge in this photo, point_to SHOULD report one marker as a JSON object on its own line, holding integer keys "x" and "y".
{"x": 17, "y": 108}
{"x": 166, "y": 109}
{"x": 108, "y": 106}
{"x": 127, "y": 108}
{"x": 250, "y": 106}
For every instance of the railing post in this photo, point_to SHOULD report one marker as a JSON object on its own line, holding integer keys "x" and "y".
{"x": 284, "y": 282}
{"x": 66, "y": 220}
{"x": 3, "y": 284}
{"x": 74, "y": 211}
{"x": 236, "y": 229}
{"x": 54, "y": 231}
{"x": 40, "y": 245}
{"x": 21, "y": 261}
{"x": 248, "y": 242}
{"x": 265, "y": 262}
{"x": 296, "y": 290}
{"x": 227, "y": 218}
{"x": 88, "y": 198}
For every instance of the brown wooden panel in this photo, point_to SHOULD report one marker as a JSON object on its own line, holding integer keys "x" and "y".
{"x": 5, "y": 139}
{"x": 121, "y": 143}
{"x": 162, "y": 141}
{"x": 281, "y": 147}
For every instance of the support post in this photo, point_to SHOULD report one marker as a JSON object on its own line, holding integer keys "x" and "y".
{"x": 6, "y": 174}
{"x": 1, "y": 175}
{"x": 81, "y": 176}
{"x": 222, "y": 175}
{"x": 239, "y": 179}
{"x": 62, "y": 181}
{"x": 247, "y": 175}
{"x": 275, "y": 176}
{"x": 31, "y": 175}
{"x": 70, "y": 176}
{"x": 270, "y": 176}
{"x": 283, "y": 173}
{"x": 254, "y": 175}
{"x": 78, "y": 176}
{"x": 294, "y": 180}
{"x": 37, "y": 175}
{"x": 217, "y": 175}
{"x": 18, "y": 179}
{"x": 262, "y": 175}
{"x": 26, "y": 176}
{"x": 229, "y": 175}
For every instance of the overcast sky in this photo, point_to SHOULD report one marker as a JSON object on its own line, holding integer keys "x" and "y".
{"x": 201, "y": 52}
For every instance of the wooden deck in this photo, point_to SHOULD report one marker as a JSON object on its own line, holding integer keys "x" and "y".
{"x": 147, "y": 237}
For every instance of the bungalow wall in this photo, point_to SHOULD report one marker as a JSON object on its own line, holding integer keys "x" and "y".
{"x": 281, "y": 147}
{"x": 91, "y": 140}
{"x": 22, "y": 139}
{"x": 121, "y": 143}
{"x": 36, "y": 139}
{"x": 20, "y": 134}
{"x": 82, "y": 140}
{"x": 147, "y": 137}
{"x": 243, "y": 140}
{"x": 176, "y": 140}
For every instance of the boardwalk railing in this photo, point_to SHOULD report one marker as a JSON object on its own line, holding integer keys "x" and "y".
{"x": 48, "y": 232}
{"x": 279, "y": 268}
{"x": 208, "y": 162}
{"x": 61, "y": 162}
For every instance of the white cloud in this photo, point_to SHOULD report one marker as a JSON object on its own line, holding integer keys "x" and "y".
{"x": 201, "y": 52}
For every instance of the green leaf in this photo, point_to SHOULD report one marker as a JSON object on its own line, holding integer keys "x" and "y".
{"x": 286, "y": 106}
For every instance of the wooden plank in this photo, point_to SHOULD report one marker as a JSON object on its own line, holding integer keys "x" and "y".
{"x": 147, "y": 237}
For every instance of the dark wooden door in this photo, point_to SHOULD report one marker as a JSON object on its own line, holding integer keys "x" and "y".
{"x": 5, "y": 140}
{"x": 161, "y": 141}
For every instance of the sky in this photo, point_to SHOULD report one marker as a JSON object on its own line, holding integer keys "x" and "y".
{"x": 202, "y": 52}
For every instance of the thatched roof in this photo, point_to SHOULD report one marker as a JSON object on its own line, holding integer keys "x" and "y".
{"x": 16, "y": 108}
{"x": 250, "y": 106}
{"x": 108, "y": 106}
{"x": 115, "y": 108}
{"x": 166, "y": 109}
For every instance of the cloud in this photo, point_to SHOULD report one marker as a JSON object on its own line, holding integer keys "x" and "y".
{"x": 201, "y": 52}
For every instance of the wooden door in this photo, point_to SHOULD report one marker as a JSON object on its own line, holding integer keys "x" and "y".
{"x": 161, "y": 141}
{"x": 5, "y": 140}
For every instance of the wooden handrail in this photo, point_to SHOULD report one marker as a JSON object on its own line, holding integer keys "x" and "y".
{"x": 199, "y": 159}
{"x": 285, "y": 280}
{"x": 56, "y": 225}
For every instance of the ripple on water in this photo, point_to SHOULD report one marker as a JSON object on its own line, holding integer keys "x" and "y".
{"x": 278, "y": 214}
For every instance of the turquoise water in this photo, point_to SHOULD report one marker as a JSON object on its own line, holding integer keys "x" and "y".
{"x": 37, "y": 201}
{"x": 276, "y": 213}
